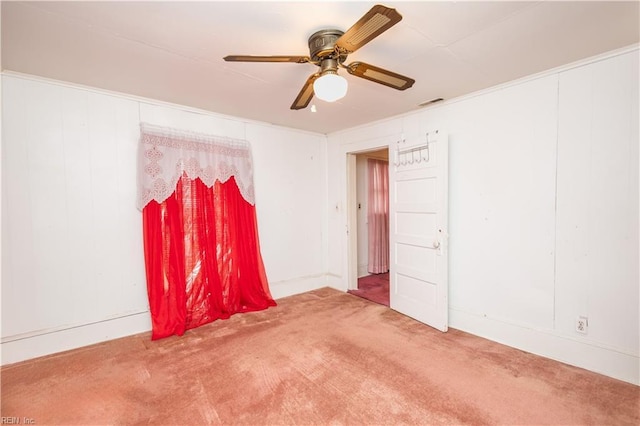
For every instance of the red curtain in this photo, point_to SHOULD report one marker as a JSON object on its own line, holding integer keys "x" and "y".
{"x": 202, "y": 257}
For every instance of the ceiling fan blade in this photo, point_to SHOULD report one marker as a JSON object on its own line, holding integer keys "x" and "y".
{"x": 376, "y": 21}
{"x": 248, "y": 58}
{"x": 306, "y": 94}
{"x": 380, "y": 75}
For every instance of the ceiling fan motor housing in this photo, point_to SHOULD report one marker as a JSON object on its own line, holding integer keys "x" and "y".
{"x": 322, "y": 43}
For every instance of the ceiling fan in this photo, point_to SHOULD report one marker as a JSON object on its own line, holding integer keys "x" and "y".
{"x": 328, "y": 49}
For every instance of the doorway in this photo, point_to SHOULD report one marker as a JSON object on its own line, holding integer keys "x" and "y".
{"x": 372, "y": 272}
{"x": 418, "y": 223}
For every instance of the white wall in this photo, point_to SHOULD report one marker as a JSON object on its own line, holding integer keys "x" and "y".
{"x": 597, "y": 209}
{"x": 70, "y": 235}
{"x": 72, "y": 258}
{"x": 543, "y": 210}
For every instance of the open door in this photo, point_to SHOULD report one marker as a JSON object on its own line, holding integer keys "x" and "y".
{"x": 418, "y": 188}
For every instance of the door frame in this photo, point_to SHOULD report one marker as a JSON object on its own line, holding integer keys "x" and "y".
{"x": 352, "y": 214}
{"x": 349, "y": 153}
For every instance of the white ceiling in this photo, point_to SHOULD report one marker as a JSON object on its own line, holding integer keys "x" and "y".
{"x": 172, "y": 51}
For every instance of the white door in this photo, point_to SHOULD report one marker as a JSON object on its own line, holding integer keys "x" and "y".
{"x": 418, "y": 188}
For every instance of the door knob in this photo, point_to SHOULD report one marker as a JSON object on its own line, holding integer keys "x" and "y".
{"x": 436, "y": 244}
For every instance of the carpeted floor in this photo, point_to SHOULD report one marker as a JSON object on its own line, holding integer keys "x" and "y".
{"x": 373, "y": 287}
{"x": 318, "y": 358}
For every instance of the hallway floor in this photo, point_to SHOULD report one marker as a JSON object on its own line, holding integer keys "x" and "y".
{"x": 374, "y": 288}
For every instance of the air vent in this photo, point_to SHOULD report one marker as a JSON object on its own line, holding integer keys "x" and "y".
{"x": 432, "y": 101}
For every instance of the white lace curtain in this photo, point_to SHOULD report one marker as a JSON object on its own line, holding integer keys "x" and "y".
{"x": 165, "y": 154}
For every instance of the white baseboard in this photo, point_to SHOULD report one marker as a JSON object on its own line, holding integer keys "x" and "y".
{"x": 607, "y": 361}
{"x": 280, "y": 289}
{"x": 336, "y": 281}
{"x": 363, "y": 270}
{"x": 20, "y": 348}
{"x": 50, "y": 342}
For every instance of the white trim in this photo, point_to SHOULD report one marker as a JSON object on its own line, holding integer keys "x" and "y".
{"x": 348, "y": 151}
{"x": 184, "y": 108}
{"x": 543, "y": 74}
{"x": 501, "y": 86}
{"x": 15, "y": 348}
{"x": 150, "y": 101}
{"x": 363, "y": 270}
{"x": 352, "y": 222}
{"x": 27, "y": 346}
{"x": 336, "y": 281}
{"x": 604, "y": 360}
{"x": 297, "y": 285}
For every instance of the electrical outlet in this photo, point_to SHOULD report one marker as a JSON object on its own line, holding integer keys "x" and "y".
{"x": 582, "y": 324}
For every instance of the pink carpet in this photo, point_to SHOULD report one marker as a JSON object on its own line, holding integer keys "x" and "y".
{"x": 374, "y": 288}
{"x": 318, "y": 358}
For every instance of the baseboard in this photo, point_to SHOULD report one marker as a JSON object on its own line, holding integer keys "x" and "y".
{"x": 336, "y": 281}
{"x": 21, "y": 348}
{"x": 607, "y": 361}
{"x": 280, "y": 289}
{"x": 363, "y": 270}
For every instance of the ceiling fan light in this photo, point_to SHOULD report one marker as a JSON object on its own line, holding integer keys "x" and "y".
{"x": 330, "y": 87}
